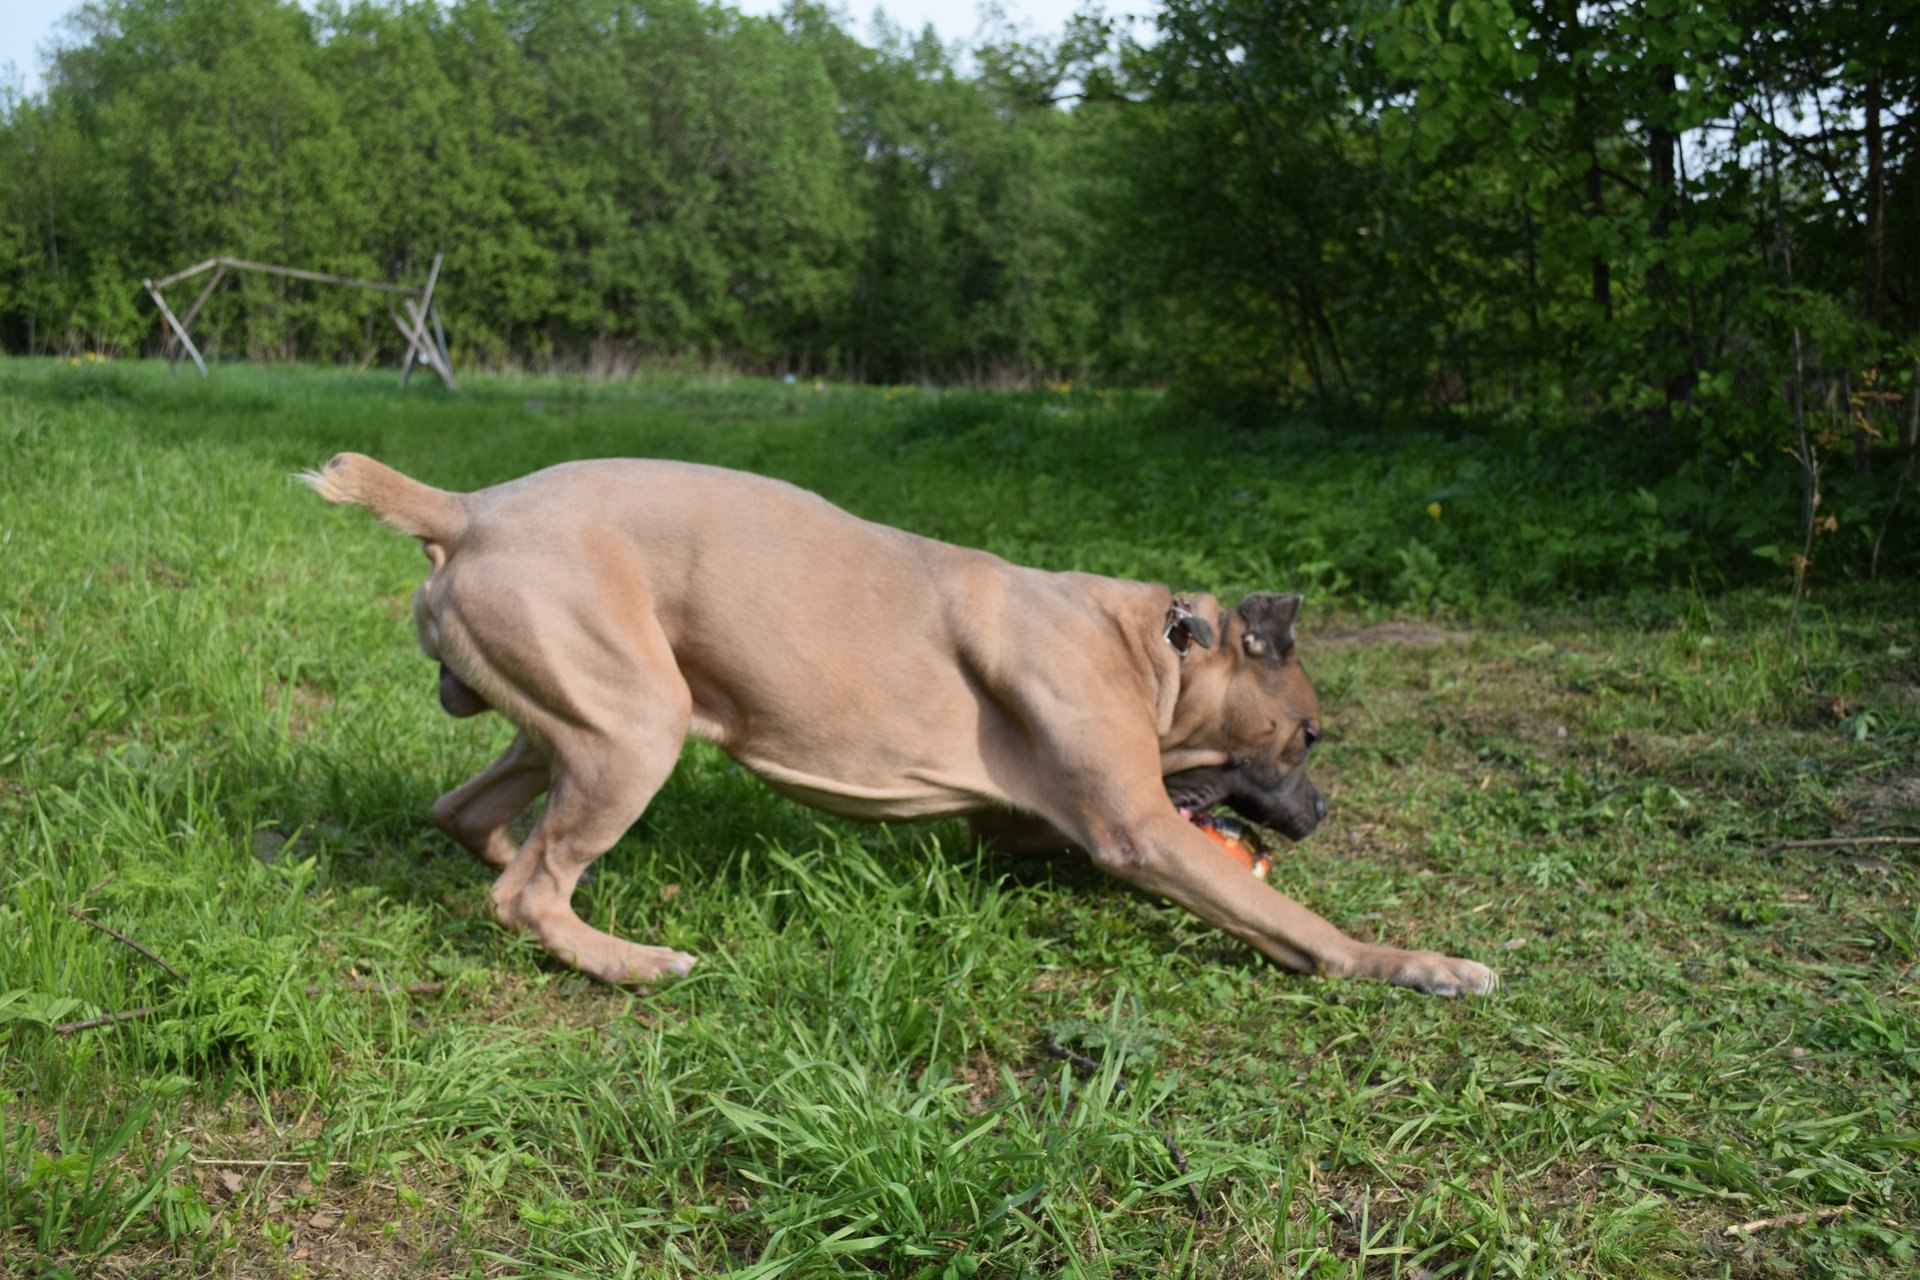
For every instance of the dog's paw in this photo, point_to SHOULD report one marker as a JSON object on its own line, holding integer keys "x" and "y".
{"x": 615, "y": 961}
{"x": 631, "y": 963}
{"x": 1439, "y": 975}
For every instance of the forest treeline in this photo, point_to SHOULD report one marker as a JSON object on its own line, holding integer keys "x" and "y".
{"x": 1665, "y": 208}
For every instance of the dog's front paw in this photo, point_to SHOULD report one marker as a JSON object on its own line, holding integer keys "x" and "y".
{"x": 1439, "y": 975}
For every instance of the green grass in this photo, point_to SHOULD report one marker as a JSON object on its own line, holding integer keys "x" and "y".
{"x": 218, "y": 738}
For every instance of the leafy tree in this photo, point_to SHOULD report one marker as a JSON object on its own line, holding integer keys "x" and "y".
{"x": 1652, "y": 215}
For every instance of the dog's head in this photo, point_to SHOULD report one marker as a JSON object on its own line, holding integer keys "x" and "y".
{"x": 1246, "y": 717}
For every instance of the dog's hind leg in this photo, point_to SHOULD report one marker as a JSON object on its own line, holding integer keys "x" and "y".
{"x": 479, "y": 812}
{"x": 602, "y": 778}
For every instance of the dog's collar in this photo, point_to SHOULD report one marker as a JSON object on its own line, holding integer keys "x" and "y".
{"x": 1185, "y": 628}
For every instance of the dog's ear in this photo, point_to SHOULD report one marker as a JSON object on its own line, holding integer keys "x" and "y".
{"x": 1269, "y": 623}
{"x": 1187, "y": 629}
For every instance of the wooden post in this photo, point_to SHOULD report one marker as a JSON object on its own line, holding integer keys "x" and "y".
{"x": 401, "y": 325}
{"x": 186, "y": 321}
{"x": 193, "y": 270}
{"x": 421, "y": 313}
{"x": 319, "y": 277}
{"x": 431, "y": 351}
{"x": 417, "y": 336}
{"x": 166, "y": 311}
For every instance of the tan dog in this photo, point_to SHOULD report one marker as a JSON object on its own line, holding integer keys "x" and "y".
{"x": 608, "y": 609}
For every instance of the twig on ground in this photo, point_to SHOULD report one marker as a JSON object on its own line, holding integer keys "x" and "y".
{"x": 1090, "y": 1066}
{"x": 382, "y": 988}
{"x": 1812, "y": 1217}
{"x": 313, "y": 988}
{"x": 1180, "y": 1163}
{"x": 86, "y": 919}
{"x": 94, "y": 888}
{"x": 1835, "y": 843}
{"x": 265, "y": 1164}
{"x": 88, "y": 1024}
{"x": 1080, "y": 1060}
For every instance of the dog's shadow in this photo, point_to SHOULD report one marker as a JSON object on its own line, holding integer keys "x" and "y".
{"x": 714, "y": 832}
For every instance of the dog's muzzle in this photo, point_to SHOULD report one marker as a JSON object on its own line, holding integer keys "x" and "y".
{"x": 1289, "y": 804}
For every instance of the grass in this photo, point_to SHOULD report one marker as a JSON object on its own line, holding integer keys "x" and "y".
{"x": 218, "y": 739}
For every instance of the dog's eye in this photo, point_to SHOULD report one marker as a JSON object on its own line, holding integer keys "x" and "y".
{"x": 1310, "y": 735}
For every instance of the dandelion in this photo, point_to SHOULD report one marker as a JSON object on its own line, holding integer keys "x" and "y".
{"x": 1433, "y": 509}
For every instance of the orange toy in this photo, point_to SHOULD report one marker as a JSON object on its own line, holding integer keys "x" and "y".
{"x": 1238, "y": 839}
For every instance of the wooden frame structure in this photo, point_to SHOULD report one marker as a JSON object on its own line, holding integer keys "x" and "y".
{"x": 430, "y": 349}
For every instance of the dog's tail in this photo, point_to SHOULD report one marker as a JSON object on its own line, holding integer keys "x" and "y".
{"x": 436, "y": 517}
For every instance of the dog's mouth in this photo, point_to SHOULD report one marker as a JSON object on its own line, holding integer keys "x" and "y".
{"x": 1289, "y": 807}
{"x": 1196, "y": 801}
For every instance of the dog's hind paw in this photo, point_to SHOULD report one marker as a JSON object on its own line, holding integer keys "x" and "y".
{"x": 637, "y": 964}
{"x": 1439, "y": 975}
{"x": 620, "y": 963}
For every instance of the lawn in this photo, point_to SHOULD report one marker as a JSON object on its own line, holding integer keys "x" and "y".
{"x": 899, "y": 1056}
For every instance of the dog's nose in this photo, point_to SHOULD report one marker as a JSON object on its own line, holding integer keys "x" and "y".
{"x": 1319, "y": 807}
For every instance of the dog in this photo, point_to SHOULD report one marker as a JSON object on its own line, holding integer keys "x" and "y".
{"x": 610, "y": 608}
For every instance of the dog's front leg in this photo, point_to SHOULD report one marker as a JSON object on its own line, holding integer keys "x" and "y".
{"x": 1164, "y": 854}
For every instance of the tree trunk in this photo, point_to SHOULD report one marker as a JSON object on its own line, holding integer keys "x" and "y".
{"x": 1586, "y": 138}
{"x": 1308, "y": 348}
{"x": 1663, "y": 146}
{"x": 53, "y": 235}
{"x": 1533, "y": 273}
{"x": 1602, "y": 272}
{"x": 1876, "y": 194}
{"x": 1324, "y": 325}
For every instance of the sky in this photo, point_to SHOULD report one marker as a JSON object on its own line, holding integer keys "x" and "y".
{"x": 26, "y": 26}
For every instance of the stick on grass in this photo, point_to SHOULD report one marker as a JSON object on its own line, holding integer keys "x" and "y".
{"x": 1812, "y": 1217}
{"x": 222, "y": 1162}
{"x": 1836, "y": 842}
{"x": 88, "y": 1024}
{"x": 86, "y": 919}
{"x": 379, "y": 988}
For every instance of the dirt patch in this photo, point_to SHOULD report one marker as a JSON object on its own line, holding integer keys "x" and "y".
{"x": 980, "y": 1075}
{"x": 1374, "y": 842}
{"x": 305, "y": 705}
{"x": 282, "y": 1224}
{"x": 167, "y": 575}
{"x": 1412, "y": 634}
{"x": 1889, "y": 797}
